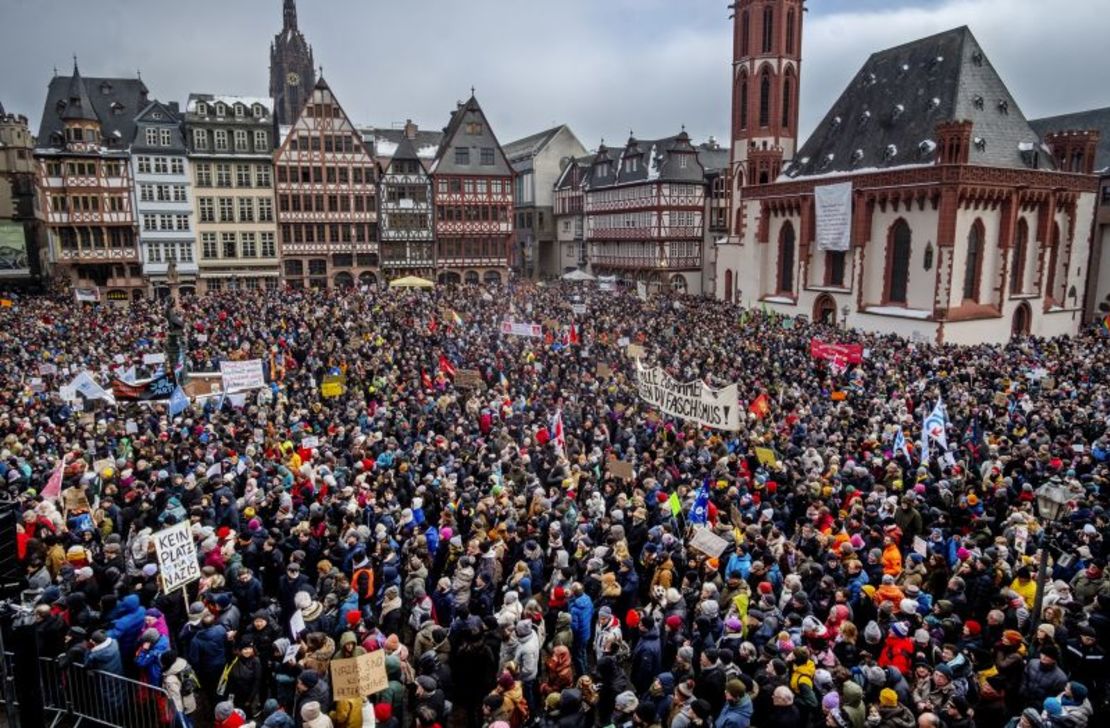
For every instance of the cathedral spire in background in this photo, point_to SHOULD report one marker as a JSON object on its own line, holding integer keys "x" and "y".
{"x": 289, "y": 15}
{"x": 292, "y": 70}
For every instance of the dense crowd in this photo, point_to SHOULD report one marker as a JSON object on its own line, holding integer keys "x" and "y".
{"x": 509, "y": 575}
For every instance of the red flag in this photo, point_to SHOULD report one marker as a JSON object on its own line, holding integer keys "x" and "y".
{"x": 53, "y": 487}
{"x": 432, "y": 326}
{"x": 574, "y": 335}
{"x": 446, "y": 366}
{"x": 760, "y": 406}
{"x": 557, "y": 432}
{"x": 425, "y": 380}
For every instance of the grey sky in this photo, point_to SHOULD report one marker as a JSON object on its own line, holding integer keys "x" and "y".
{"x": 603, "y": 66}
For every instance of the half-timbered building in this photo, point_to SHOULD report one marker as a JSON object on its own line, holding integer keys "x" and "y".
{"x": 473, "y": 196}
{"x": 327, "y": 198}
{"x": 924, "y": 204}
{"x": 407, "y": 228}
{"x": 84, "y": 183}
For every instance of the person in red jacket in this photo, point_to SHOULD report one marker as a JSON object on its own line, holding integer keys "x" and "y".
{"x": 898, "y": 649}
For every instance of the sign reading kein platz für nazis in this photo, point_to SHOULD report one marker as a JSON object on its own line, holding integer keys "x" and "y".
{"x": 177, "y": 556}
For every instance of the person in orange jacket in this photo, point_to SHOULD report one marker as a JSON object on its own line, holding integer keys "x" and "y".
{"x": 888, "y": 591}
{"x": 892, "y": 557}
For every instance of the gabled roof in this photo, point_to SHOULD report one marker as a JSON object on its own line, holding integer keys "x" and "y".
{"x": 445, "y": 159}
{"x": 566, "y": 178}
{"x": 1096, "y": 119}
{"x": 77, "y": 103}
{"x": 113, "y": 101}
{"x": 386, "y": 142}
{"x": 659, "y": 159}
{"x": 887, "y": 116}
{"x": 160, "y": 115}
{"x": 531, "y": 145}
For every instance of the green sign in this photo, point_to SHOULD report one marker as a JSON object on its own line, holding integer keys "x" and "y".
{"x": 13, "y": 250}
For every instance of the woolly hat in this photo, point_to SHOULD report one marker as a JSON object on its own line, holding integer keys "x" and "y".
{"x": 383, "y": 712}
{"x": 310, "y": 710}
{"x": 900, "y": 629}
{"x": 225, "y": 709}
{"x": 831, "y": 701}
{"x": 1078, "y": 691}
{"x": 1053, "y": 707}
{"x": 626, "y": 702}
{"x": 686, "y": 689}
{"x": 888, "y": 698}
{"x": 1031, "y": 715}
{"x": 1012, "y": 637}
{"x": 871, "y": 632}
{"x": 302, "y": 600}
{"x": 973, "y": 627}
{"x": 674, "y": 621}
{"x": 944, "y": 669}
{"x": 308, "y": 678}
{"x": 150, "y": 635}
{"x": 523, "y": 628}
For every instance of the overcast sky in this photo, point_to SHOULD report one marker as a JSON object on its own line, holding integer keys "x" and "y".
{"x": 602, "y": 66}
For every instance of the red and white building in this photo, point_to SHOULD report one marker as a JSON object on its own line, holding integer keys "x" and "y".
{"x": 326, "y": 198}
{"x": 924, "y": 204}
{"x": 473, "y": 197}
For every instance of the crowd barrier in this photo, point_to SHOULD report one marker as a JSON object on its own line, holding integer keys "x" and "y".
{"x": 77, "y": 695}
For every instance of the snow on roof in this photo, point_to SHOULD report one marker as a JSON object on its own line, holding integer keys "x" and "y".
{"x": 850, "y": 172}
{"x": 428, "y": 151}
{"x": 384, "y": 148}
{"x": 914, "y": 313}
{"x": 653, "y": 165}
{"x": 248, "y": 101}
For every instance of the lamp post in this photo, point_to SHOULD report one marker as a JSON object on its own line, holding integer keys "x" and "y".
{"x": 1051, "y": 500}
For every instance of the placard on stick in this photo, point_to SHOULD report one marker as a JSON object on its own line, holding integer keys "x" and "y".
{"x": 468, "y": 379}
{"x": 358, "y": 677}
{"x": 621, "y": 469}
{"x": 708, "y": 543}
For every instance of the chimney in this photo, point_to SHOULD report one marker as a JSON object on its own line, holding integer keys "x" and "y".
{"x": 410, "y": 129}
{"x": 175, "y": 108}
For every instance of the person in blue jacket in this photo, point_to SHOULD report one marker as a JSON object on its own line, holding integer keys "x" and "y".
{"x": 208, "y": 653}
{"x": 128, "y": 621}
{"x": 148, "y": 657}
{"x": 581, "y": 621}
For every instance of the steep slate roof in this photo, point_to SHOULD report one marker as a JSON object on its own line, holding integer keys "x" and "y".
{"x": 1098, "y": 119}
{"x": 659, "y": 160}
{"x": 531, "y": 145}
{"x": 565, "y": 181}
{"x": 890, "y": 110}
{"x": 386, "y": 142}
{"x": 114, "y": 101}
{"x": 445, "y": 159}
{"x": 170, "y": 117}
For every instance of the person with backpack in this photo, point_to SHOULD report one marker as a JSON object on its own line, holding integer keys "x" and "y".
{"x": 181, "y": 685}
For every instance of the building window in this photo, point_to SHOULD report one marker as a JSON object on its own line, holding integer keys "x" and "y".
{"x": 240, "y": 111}
{"x": 181, "y": 223}
{"x": 790, "y": 31}
{"x": 768, "y": 28}
{"x": 228, "y": 240}
{"x": 177, "y": 165}
{"x": 1021, "y": 247}
{"x": 246, "y": 209}
{"x": 743, "y": 93}
{"x": 207, "y": 209}
{"x": 462, "y": 155}
{"x": 241, "y": 137}
{"x": 227, "y": 209}
{"x": 269, "y": 250}
{"x": 898, "y": 262}
{"x": 265, "y": 209}
{"x": 146, "y": 193}
{"x": 150, "y": 222}
{"x": 487, "y": 156}
{"x": 318, "y": 267}
{"x": 261, "y": 176}
{"x": 151, "y": 136}
{"x": 165, "y": 222}
{"x": 200, "y": 138}
{"x": 972, "y": 268}
{"x": 202, "y": 108}
{"x": 221, "y": 140}
{"x": 242, "y": 175}
{"x": 786, "y": 259}
{"x": 765, "y": 98}
{"x": 220, "y": 109}
{"x": 179, "y": 194}
{"x": 745, "y": 33}
{"x": 144, "y": 167}
{"x": 250, "y": 246}
{"x": 154, "y": 252}
{"x": 834, "y": 268}
{"x": 165, "y": 138}
{"x": 204, "y": 175}
{"x": 186, "y": 253}
{"x": 787, "y": 97}
{"x": 208, "y": 249}
{"x": 261, "y": 142}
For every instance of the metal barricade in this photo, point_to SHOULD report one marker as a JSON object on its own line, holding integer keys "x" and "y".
{"x": 104, "y": 698}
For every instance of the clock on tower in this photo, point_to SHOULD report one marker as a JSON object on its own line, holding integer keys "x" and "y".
{"x": 292, "y": 78}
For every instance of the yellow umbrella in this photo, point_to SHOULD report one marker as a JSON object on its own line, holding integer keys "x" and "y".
{"x": 411, "y": 282}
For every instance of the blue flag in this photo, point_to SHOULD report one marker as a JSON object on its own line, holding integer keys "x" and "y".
{"x": 178, "y": 402}
{"x": 900, "y": 447}
{"x": 699, "y": 514}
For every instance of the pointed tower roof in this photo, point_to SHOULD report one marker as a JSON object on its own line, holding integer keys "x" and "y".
{"x": 289, "y": 15}
{"x": 405, "y": 149}
{"x": 78, "y": 105}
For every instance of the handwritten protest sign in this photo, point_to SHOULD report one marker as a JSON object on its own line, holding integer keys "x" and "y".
{"x": 359, "y": 677}
{"x": 177, "y": 556}
{"x": 708, "y": 542}
{"x": 695, "y": 401}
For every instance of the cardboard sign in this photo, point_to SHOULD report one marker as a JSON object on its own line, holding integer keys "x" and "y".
{"x": 159, "y": 358}
{"x": 551, "y": 324}
{"x": 359, "y": 677}
{"x": 579, "y": 309}
{"x": 177, "y": 556}
{"x": 708, "y": 542}
{"x": 621, "y": 469}
{"x": 310, "y": 443}
{"x": 201, "y": 386}
{"x": 1001, "y": 399}
{"x": 604, "y": 370}
{"x": 1048, "y": 383}
{"x": 239, "y": 376}
{"x": 468, "y": 379}
{"x": 635, "y": 351}
{"x": 920, "y": 546}
{"x": 296, "y": 624}
{"x": 623, "y": 341}
{"x": 331, "y": 389}
{"x": 766, "y": 456}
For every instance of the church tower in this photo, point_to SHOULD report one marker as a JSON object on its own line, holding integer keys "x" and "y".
{"x": 766, "y": 69}
{"x": 292, "y": 70}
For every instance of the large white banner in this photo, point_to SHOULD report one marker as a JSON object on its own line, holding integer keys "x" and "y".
{"x": 177, "y": 556}
{"x": 695, "y": 401}
{"x": 834, "y": 216}
{"x": 515, "y": 328}
{"x": 242, "y": 375}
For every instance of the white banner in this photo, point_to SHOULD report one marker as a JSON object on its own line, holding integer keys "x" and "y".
{"x": 242, "y": 375}
{"x": 695, "y": 401}
{"x": 86, "y": 385}
{"x": 159, "y": 358}
{"x": 87, "y": 295}
{"x": 177, "y": 556}
{"x": 578, "y": 308}
{"x": 834, "y": 216}
{"x": 515, "y": 328}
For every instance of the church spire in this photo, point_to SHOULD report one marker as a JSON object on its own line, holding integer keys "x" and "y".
{"x": 289, "y": 15}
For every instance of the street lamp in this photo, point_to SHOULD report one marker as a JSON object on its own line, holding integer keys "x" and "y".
{"x": 1051, "y": 501}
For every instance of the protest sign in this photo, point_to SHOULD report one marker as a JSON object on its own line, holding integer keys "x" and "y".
{"x": 46, "y": 370}
{"x": 359, "y": 677}
{"x": 87, "y": 295}
{"x": 242, "y": 375}
{"x": 333, "y": 385}
{"x": 579, "y": 309}
{"x": 177, "y": 556}
{"x": 157, "y": 389}
{"x": 1021, "y": 539}
{"x": 920, "y": 546}
{"x": 159, "y": 358}
{"x": 694, "y": 401}
{"x": 296, "y": 624}
{"x": 766, "y": 456}
{"x": 36, "y": 384}
{"x": 604, "y": 370}
{"x": 708, "y": 543}
{"x": 468, "y": 379}
{"x": 311, "y": 442}
{"x": 842, "y": 354}
{"x": 515, "y": 328}
{"x": 621, "y": 469}
{"x": 1001, "y": 399}
{"x": 623, "y": 341}
{"x": 635, "y": 351}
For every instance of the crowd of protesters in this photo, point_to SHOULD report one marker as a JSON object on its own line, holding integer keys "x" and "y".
{"x": 510, "y": 577}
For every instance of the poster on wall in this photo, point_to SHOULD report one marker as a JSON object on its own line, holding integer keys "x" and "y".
{"x": 833, "y": 204}
{"x": 14, "y": 260}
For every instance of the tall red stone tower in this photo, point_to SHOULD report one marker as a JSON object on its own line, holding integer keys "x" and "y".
{"x": 766, "y": 69}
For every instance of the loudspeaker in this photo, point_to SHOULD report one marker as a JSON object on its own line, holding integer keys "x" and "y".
{"x": 11, "y": 574}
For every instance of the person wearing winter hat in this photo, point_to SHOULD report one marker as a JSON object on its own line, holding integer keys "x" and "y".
{"x": 313, "y": 717}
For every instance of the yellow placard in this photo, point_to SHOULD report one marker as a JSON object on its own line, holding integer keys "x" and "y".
{"x": 331, "y": 389}
{"x": 766, "y": 456}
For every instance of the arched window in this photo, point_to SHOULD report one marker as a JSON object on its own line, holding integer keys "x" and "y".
{"x": 1017, "y": 262}
{"x": 728, "y": 285}
{"x": 786, "y": 259}
{"x": 787, "y": 98}
{"x": 765, "y": 98}
{"x": 742, "y": 89}
{"x": 678, "y": 283}
{"x": 790, "y": 31}
{"x": 745, "y": 33}
{"x": 898, "y": 262}
{"x": 974, "y": 261}
{"x": 768, "y": 28}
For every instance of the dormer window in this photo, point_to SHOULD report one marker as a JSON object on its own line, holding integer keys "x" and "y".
{"x": 240, "y": 111}
{"x": 631, "y": 165}
{"x": 682, "y": 160}
{"x": 220, "y": 109}
{"x": 105, "y": 88}
{"x": 257, "y": 111}
{"x": 202, "y": 108}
